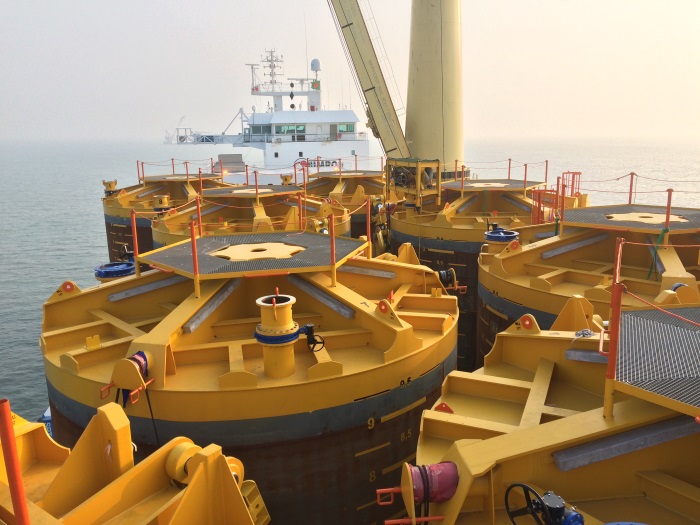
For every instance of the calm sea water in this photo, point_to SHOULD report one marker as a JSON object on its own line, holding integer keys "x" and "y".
{"x": 54, "y": 226}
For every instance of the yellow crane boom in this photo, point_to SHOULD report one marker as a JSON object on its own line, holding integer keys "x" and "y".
{"x": 380, "y": 109}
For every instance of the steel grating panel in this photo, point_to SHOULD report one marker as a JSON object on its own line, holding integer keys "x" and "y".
{"x": 248, "y": 191}
{"x": 479, "y": 184}
{"x": 661, "y": 354}
{"x": 315, "y": 254}
{"x": 598, "y": 215}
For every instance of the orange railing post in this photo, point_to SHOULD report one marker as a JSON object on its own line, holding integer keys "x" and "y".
{"x": 355, "y": 161}
{"x": 246, "y": 175}
{"x": 172, "y": 162}
{"x": 301, "y": 217}
{"x": 201, "y": 183}
{"x": 455, "y": 177}
{"x": 134, "y": 237}
{"x": 546, "y": 172}
{"x": 614, "y": 327}
{"x": 331, "y": 232}
{"x": 195, "y": 260}
{"x": 509, "y": 169}
{"x": 199, "y": 214}
{"x": 632, "y": 174}
{"x": 255, "y": 174}
{"x": 12, "y": 464}
{"x": 368, "y": 208}
{"x": 525, "y": 179}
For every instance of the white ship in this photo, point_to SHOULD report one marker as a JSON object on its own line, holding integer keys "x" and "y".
{"x": 294, "y": 127}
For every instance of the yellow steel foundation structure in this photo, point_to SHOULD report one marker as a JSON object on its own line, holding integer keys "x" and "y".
{"x": 98, "y": 483}
{"x": 293, "y": 351}
{"x": 546, "y": 413}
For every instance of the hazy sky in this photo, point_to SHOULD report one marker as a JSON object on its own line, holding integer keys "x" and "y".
{"x": 539, "y": 68}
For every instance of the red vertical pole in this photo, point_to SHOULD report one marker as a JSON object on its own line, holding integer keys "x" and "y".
{"x": 211, "y": 162}
{"x": 199, "y": 214}
{"x": 301, "y": 218}
{"x": 668, "y": 207}
{"x": 187, "y": 169}
{"x": 331, "y": 230}
{"x": 255, "y": 174}
{"x": 340, "y": 166}
{"x": 246, "y": 175}
{"x": 631, "y": 187}
{"x": 195, "y": 259}
{"x": 368, "y": 209}
{"x": 201, "y": 183}
{"x": 221, "y": 169}
{"x": 138, "y": 171}
{"x": 525, "y": 178}
{"x": 172, "y": 161}
{"x": 546, "y": 172}
{"x": 509, "y": 169}
{"x": 355, "y": 161}
{"x": 455, "y": 178}
{"x": 463, "y": 177}
{"x": 616, "y": 307}
{"x": 563, "y": 202}
{"x": 556, "y": 204}
{"x": 318, "y": 163}
{"x": 295, "y": 173}
{"x": 134, "y": 238}
{"x": 12, "y": 464}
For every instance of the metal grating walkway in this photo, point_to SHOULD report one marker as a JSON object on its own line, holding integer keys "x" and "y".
{"x": 489, "y": 184}
{"x": 248, "y": 192}
{"x": 600, "y": 216}
{"x": 661, "y": 354}
{"x": 315, "y": 256}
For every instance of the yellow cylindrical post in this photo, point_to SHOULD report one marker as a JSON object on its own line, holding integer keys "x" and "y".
{"x": 434, "y": 127}
{"x": 277, "y": 332}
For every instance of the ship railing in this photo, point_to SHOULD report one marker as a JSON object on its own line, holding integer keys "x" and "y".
{"x": 619, "y": 288}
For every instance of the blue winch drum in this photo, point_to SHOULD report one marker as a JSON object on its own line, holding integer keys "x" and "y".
{"x": 115, "y": 269}
{"x": 501, "y": 235}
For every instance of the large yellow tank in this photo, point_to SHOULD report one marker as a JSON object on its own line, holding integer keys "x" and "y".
{"x": 320, "y": 395}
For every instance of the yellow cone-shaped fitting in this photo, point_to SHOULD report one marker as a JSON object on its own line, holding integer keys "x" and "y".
{"x": 276, "y": 324}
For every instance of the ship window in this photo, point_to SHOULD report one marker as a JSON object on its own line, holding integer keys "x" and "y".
{"x": 291, "y": 129}
{"x": 346, "y": 128}
{"x": 257, "y": 130}
{"x": 301, "y": 154}
{"x": 267, "y": 129}
{"x": 277, "y": 155}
